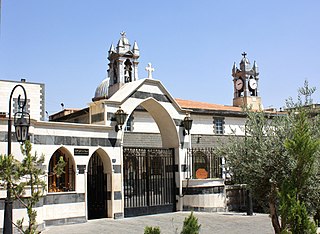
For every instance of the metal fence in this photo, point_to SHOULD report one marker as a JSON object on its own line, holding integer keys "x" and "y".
{"x": 203, "y": 163}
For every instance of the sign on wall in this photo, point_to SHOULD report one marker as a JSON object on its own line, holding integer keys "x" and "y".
{"x": 81, "y": 152}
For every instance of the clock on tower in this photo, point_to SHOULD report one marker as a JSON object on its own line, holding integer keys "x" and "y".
{"x": 246, "y": 80}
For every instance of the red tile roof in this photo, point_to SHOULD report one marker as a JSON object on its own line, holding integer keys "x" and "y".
{"x": 205, "y": 106}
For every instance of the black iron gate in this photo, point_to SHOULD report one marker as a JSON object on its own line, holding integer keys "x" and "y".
{"x": 96, "y": 183}
{"x": 149, "y": 181}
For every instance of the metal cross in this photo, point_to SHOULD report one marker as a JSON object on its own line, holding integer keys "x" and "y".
{"x": 149, "y": 69}
{"x": 244, "y": 54}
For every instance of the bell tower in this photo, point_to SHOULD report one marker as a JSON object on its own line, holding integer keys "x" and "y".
{"x": 123, "y": 65}
{"x": 246, "y": 88}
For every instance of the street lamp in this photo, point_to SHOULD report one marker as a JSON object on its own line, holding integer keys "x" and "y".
{"x": 120, "y": 117}
{"x": 187, "y": 124}
{"x": 21, "y": 124}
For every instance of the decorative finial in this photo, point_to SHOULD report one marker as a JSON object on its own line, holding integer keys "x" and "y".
{"x": 244, "y": 54}
{"x": 149, "y": 69}
{"x": 123, "y": 34}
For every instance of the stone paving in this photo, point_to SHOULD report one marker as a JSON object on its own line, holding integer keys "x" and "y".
{"x": 211, "y": 223}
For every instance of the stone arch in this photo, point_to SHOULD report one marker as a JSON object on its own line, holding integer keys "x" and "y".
{"x": 66, "y": 181}
{"x": 107, "y": 165}
{"x": 148, "y": 174}
{"x": 166, "y": 125}
{"x": 99, "y": 185}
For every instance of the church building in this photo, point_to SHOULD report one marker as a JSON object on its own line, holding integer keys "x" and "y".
{"x": 135, "y": 149}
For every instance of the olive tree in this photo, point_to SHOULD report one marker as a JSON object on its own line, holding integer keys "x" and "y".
{"x": 277, "y": 159}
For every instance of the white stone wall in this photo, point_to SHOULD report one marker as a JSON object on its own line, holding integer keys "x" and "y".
{"x": 163, "y": 112}
{"x": 202, "y": 124}
{"x": 143, "y": 122}
{"x": 234, "y": 125}
{"x": 60, "y": 211}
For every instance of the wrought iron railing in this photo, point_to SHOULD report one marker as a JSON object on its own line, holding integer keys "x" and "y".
{"x": 148, "y": 177}
{"x": 203, "y": 163}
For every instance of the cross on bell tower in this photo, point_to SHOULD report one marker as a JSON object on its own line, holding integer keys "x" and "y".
{"x": 246, "y": 80}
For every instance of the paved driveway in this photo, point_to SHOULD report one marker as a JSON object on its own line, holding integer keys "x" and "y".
{"x": 211, "y": 223}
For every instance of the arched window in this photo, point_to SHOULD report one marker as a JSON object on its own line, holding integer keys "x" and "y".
{"x": 205, "y": 163}
{"x": 115, "y": 72}
{"x": 66, "y": 181}
{"x": 200, "y": 165}
{"x": 127, "y": 71}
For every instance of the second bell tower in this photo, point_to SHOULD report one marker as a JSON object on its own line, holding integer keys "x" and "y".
{"x": 246, "y": 84}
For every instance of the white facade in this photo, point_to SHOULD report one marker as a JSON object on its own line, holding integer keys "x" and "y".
{"x": 157, "y": 123}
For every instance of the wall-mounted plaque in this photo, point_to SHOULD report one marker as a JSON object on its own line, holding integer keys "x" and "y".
{"x": 81, "y": 152}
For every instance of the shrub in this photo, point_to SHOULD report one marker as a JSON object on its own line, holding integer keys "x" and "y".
{"x": 190, "y": 225}
{"x": 151, "y": 230}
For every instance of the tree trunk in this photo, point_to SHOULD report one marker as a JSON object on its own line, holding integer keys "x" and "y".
{"x": 273, "y": 209}
{"x": 274, "y": 216}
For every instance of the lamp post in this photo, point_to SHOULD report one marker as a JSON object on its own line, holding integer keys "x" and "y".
{"x": 186, "y": 123}
{"x": 21, "y": 123}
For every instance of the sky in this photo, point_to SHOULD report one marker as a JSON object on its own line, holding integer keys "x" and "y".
{"x": 192, "y": 44}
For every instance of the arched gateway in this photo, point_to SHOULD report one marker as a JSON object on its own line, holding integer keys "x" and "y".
{"x": 149, "y": 170}
{"x": 97, "y": 187}
{"x": 143, "y": 175}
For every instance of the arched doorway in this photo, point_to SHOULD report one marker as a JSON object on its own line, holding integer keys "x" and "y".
{"x": 96, "y": 188}
{"x": 149, "y": 171}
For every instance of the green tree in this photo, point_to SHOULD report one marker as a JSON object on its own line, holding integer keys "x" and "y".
{"x": 26, "y": 182}
{"x": 9, "y": 172}
{"x": 276, "y": 159}
{"x": 190, "y": 225}
{"x": 302, "y": 146}
{"x": 31, "y": 174}
{"x": 260, "y": 162}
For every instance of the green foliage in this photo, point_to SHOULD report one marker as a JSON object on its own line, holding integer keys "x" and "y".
{"x": 190, "y": 225}
{"x": 58, "y": 169}
{"x": 294, "y": 216}
{"x": 256, "y": 159}
{"x": 9, "y": 172}
{"x": 25, "y": 177}
{"x": 278, "y": 159}
{"x": 302, "y": 146}
{"x": 31, "y": 174}
{"x": 304, "y": 97}
{"x": 151, "y": 230}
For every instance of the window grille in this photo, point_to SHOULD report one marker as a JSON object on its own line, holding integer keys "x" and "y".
{"x": 218, "y": 124}
{"x": 204, "y": 163}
